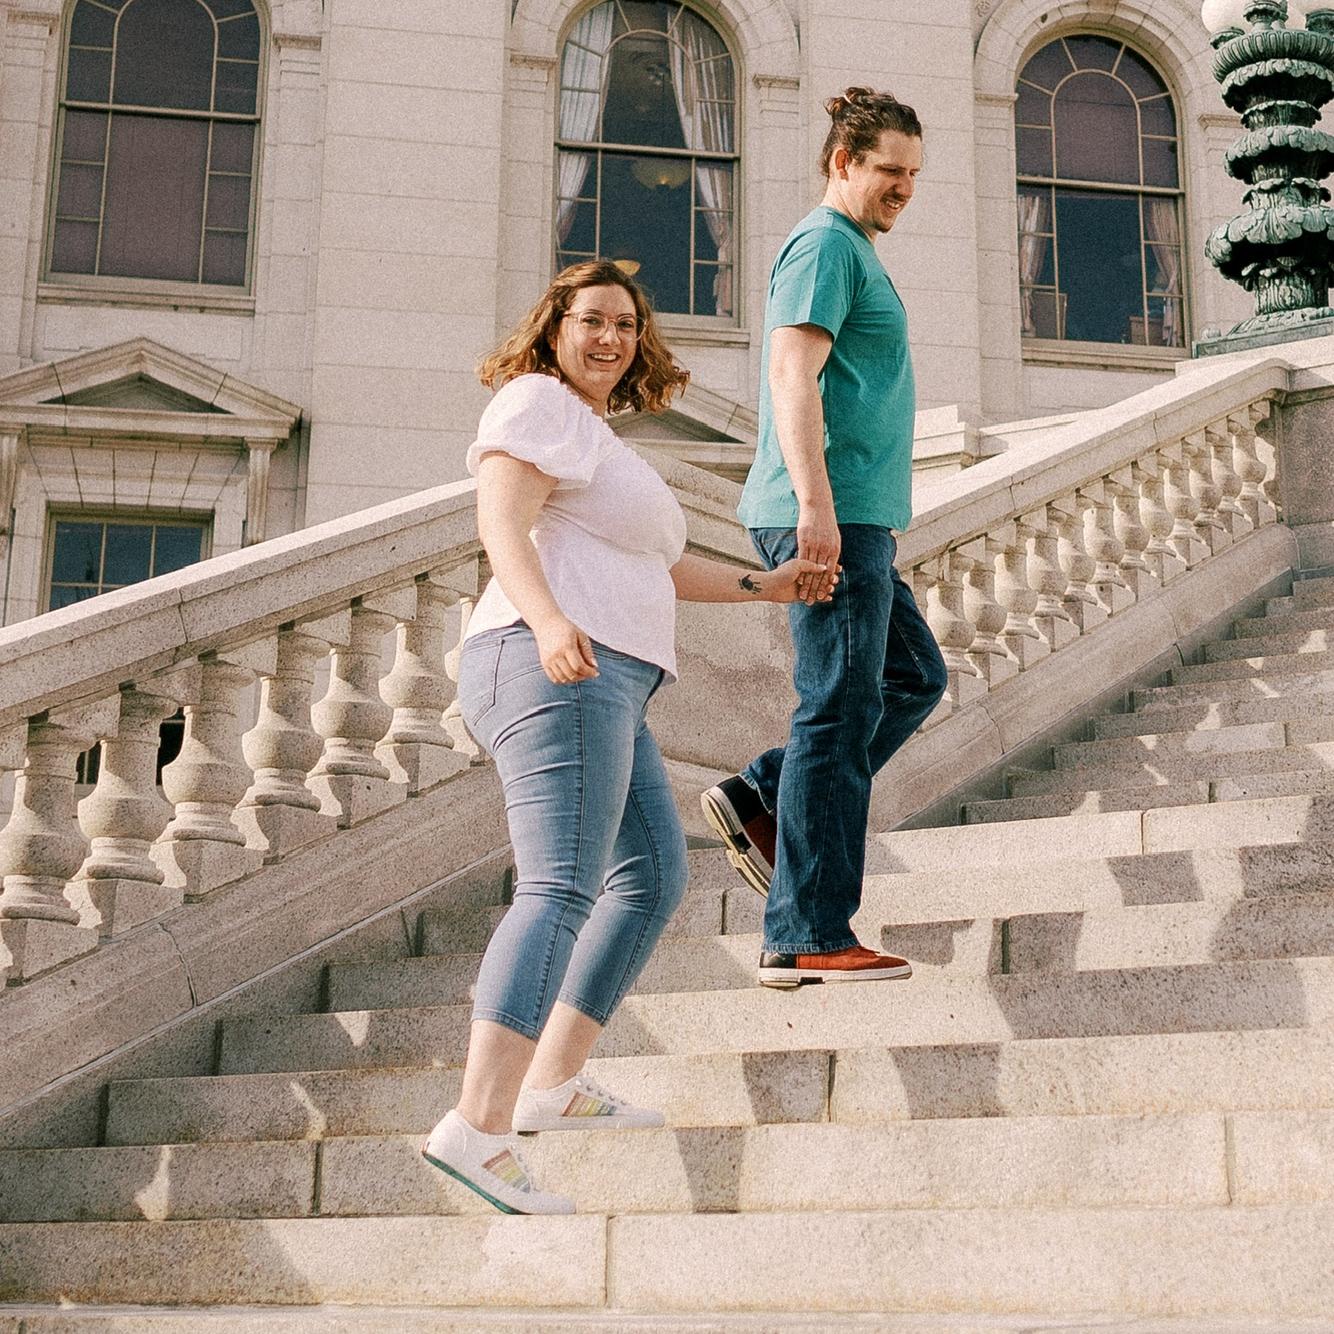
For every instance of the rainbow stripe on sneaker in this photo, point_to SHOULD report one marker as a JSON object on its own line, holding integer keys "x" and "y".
{"x": 506, "y": 1167}
{"x": 584, "y": 1105}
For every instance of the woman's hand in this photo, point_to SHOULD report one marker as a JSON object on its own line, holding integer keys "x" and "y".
{"x": 792, "y": 581}
{"x": 566, "y": 652}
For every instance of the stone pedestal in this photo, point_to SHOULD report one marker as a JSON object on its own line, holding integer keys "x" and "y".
{"x": 31, "y": 945}
{"x": 198, "y": 866}
{"x": 275, "y": 831}
{"x": 115, "y": 906}
{"x": 352, "y": 798}
{"x": 419, "y": 766}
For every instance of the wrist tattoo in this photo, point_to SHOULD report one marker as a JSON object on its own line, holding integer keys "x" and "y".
{"x": 748, "y": 585}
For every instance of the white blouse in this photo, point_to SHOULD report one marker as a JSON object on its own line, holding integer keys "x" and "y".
{"x": 608, "y": 534}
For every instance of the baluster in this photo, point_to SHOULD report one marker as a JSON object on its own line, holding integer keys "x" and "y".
{"x": 952, "y": 629}
{"x": 279, "y": 813}
{"x": 1161, "y": 555}
{"x": 1183, "y": 506}
{"x": 42, "y": 845}
{"x": 1017, "y": 592}
{"x": 1054, "y": 623}
{"x": 1252, "y": 469}
{"x": 1128, "y": 523}
{"x": 479, "y": 571}
{"x": 1227, "y": 477}
{"x": 1267, "y": 452}
{"x": 123, "y": 816}
{"x": 352, "y": 718}
{"x": 203, "y": 848}
{"x": 1105, "y": 547}
{"x": 980, "y": 607}
{"x": 1213, "y": 532}
{"x": 417, "y": 750}
{"x": 1078, "y": 566}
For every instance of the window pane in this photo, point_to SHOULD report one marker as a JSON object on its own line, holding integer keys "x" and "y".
{"x": 646, "y": 216}
{"x": 1158, "y": 117}
{"x": 233, "y": 147}
{"x": 129, "y": 549}
{"x": 576, "y": 226}
{"x": 224, "y": 258}
{"x": 1048, "y": 315}
{"x": 1033, "y": 106}
{"x": 641, "y": 106}
{"x": 1049, "y": 66}
{"x": 1093, "y": 52}
{"x": 1097, "y": 131}
{"x": 229, "y": 202}
{"x": 1098, "y": 239}
{"x": 1033, "y": 151}
{"x": 155, "y": 198}
{"x": 237, "y": 82}
{"x": 65, "y": 596}
{"x": 89, "y": 76}
{"x": 239, "y": 37}
{"x": 225, "y": 9}
{"x": 91, "y": 26}
{"x": 713, "y": 289}
{"x": 74, "y": 249}
{"x": 1143, "y": 79}
{"x": 78, "y": 553}
{"x": 648, "y": 14}
{"x": 164, "y": 55}
{"x": 85, "y": 136}
{"x": 80, "y": 193}
{"x": 1160, "y": 162}
{"x": 176, "y": 548}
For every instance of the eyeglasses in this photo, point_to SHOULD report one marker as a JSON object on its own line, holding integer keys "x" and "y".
{"x": 594, "y": 324}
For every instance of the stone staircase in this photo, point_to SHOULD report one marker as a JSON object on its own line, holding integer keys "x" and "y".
{"x": 1108, "y": 1089}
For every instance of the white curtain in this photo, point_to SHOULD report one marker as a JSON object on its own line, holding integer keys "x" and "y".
{"x": 1034, "y": 218}
{"x": 1164, "y": 238}
{"x": 583, "y": 66}
{"x": 705, "y": 102}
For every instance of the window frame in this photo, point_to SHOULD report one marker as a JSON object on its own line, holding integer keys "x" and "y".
{"x": 105, "y": 514}
{"x": 1069, "y": 351}
{"x": 60, "y": 284}
{"x": 697, "y": 328}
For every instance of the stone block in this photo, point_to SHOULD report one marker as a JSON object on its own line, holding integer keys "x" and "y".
{"x": 199, "y": 866}
{"x": 420, "y": 766}
{"x": 117, "y": 906}
{"x": 30, "y": 946}
{"x": 1283, "y": 1157}
{"x": 1151, "y": 746}
{"x": 1085, "y": 801}
{"x": 353, "y": 798}
{"x": 276, "y": 831}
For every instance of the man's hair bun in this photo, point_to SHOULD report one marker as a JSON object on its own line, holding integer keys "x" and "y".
{"x": 861, "y": 116}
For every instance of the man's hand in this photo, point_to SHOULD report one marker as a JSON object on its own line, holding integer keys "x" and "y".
{"x": 818, "y": 540}
{"x": 566, "y": 652}
{"x": 783, "y": 582}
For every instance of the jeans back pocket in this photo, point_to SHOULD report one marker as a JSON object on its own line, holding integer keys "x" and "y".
{"x": 479, "y": 664}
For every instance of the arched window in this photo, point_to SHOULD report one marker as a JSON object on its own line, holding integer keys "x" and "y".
{"x": 646, "y": 152}
{"x": 159, "y": 118}
{"x": 1100, "y": 256}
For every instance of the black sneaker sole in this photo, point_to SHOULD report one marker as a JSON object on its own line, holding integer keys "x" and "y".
{"x": 722, "y": 819}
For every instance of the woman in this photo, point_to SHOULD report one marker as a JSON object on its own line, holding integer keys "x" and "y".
{"x": 564, "y": 651}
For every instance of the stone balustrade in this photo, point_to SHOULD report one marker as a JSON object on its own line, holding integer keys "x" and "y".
{"x": 1013, "y": 560}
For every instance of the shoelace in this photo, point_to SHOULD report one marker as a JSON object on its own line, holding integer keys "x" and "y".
{"x": 593, "y": 1088}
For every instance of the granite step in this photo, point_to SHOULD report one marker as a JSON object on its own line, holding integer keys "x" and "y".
{"x": 1289, "y": 819}
{"x": 938, "y": 1007}
{"x": 1261, "y": 685}
{"x": 707, "y": 1089}
{"x": 1233, "y": 1260}
{"x": 1150, "y": 747}
{"x": 1257, "y": 1070}
{"x": 1308, "y": 593}
{"x": 1277, "y": 664}
{"x": 1168, "y": 768}
{"x": 1204, "y": 715}
{"x": 1021, "y": 1162}
{"x": 1284, "y": 622}
{"x": 1263, "y": 645}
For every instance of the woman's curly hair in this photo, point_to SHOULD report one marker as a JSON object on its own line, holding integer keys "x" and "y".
{"x": 653, "y": 376}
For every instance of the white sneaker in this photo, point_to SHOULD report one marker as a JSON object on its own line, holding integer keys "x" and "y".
{"x": 491, "y": 1166}
{"x": 580, "y": 1104}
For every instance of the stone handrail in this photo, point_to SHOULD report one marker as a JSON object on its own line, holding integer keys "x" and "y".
{"x": 1012, "y": 560}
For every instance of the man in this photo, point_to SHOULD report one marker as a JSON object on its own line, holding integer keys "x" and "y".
{"x": 832, "y": 482}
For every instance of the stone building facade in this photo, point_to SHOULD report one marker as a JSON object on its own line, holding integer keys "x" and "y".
{"x": 358, "y": 196}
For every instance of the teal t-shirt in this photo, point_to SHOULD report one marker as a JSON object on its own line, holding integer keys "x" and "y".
{"x": 829, "y": 274}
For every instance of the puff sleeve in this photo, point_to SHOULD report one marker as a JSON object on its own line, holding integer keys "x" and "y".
{"x": 537, "y": 419}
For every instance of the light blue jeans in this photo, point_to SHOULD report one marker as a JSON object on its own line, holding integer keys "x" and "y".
{"x": 599, "y": 853}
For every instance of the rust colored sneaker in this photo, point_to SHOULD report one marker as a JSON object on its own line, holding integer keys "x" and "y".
{"x": 749, "y": 833}
{"x": 855, "y": 964}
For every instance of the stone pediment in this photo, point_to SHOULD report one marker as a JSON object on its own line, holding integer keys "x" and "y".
{"x": 142, "y": 389}
{"x": 701, "y": 427}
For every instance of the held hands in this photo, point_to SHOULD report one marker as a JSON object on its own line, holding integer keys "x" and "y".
{"x": 819, "y": 543}
{"x": 566, "y": 652}
{"x": 785, "y": 582}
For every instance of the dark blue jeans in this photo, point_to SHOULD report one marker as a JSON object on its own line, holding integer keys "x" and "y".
{"x": 867, "y": 672}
